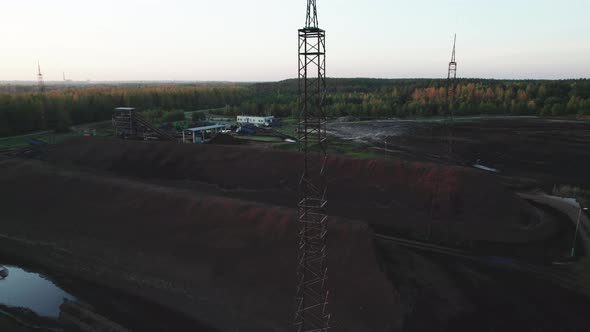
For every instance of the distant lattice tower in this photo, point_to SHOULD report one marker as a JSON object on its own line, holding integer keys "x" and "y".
{"x": 451, "y": 91}
{"x": 312, "y": 314}
{"x": 41, "y": 83}
{"x": 452, "y": 79}
{"x": 40, "y": 78}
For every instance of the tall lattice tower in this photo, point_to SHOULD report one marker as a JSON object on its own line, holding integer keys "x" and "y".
{"x": 40, "y": 78}
{"x": 311, "y": 314}
{"x": 452, "y": 79}
{"x": 451, "y": 90}
{"x": 41, "y": 83}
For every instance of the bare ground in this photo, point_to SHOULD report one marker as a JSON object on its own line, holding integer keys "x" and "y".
{"x": 227, "y": 263}
{"x": 548, "y": 151}
{"x": 209, "y": 231}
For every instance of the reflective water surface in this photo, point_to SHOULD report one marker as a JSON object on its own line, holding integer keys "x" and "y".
{"x": 29, "y": 290}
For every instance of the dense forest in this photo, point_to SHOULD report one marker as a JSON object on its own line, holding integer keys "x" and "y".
{"x": 375, "y": 98}
{"x": 21, "y": 110}
{"x": 22, "y": 107}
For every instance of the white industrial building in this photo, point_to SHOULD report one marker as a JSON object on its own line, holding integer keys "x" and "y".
{"x": 255, "y": 120}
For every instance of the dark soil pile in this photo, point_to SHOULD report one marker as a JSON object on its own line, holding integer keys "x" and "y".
{"x": 228, "y": 263}
{"x": 411, "y": 198}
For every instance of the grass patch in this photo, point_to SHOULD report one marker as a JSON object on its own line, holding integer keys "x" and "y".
{"x": 289, "y": 121}
{"x": 7, "y": 324}
{"x": 287, "y": 147}
{"x": 341, "y": 147}
{"x": 260, "y": 138}
{"x": 23, "y": 141}
{"x": 582, "y": 195}
{"x": 352, "y": 149}
{"x": 287, "y": 128}
{"x": 18, "y": 142}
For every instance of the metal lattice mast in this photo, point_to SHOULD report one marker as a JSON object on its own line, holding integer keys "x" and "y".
{"x": 451, "y": 90}
{"x": 452, "y": 79}
{"x": 311, "y": 20}
{"x": 41, "y": 83}
{"x": 40, "y": 78}
{"x": 312, "y": 314}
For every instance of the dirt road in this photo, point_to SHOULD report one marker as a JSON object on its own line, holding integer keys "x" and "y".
{"x": 571, "y": 208}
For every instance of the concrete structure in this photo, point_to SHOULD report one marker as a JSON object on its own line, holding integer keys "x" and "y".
{"x": 255, "y": 120}
{"x": 200, "y": 134}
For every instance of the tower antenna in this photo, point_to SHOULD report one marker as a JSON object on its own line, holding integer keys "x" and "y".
{"x": 454, "y": 46}
{"x": 311, "y": 20}
{"x": 311, "y": 314}
{"x": 453, "y": 64}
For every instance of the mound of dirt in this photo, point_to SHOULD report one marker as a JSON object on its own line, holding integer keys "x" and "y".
{"x": 448, "y": 203}
{"x": 228, "y": 263}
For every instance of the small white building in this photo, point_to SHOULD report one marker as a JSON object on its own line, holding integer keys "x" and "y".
{"x": 255, "y": 120}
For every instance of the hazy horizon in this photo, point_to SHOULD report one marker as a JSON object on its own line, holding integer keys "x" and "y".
{"x": 148, "y": 81}
{"x": 238, "y": 41}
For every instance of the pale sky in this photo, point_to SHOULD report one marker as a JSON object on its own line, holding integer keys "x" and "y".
{"x": 239, "y": 40}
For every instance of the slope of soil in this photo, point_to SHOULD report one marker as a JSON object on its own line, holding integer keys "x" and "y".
{"x": 446, "y": 203}
{"x": 441, "y": 293}
{"x": 227, "y": 263}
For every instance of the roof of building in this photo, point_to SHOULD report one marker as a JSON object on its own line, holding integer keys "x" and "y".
{"x": 125, "y": 108}
{"x": 205, "y": 128}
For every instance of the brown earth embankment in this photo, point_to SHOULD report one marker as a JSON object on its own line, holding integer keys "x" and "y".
{"x": 228, "y": 263}
{"x": 410, "y": 198}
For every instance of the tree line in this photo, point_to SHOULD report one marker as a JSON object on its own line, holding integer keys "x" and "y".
{"x": 380, "y": 98}
{"x": 23, "y": 109}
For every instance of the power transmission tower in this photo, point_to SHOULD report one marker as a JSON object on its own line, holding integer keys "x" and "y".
{"x": 40, "y": 79}
{"x": 452, "y": 79}
{"x": 41, "y": 83}
{"x": 448, "y": 127}
{"x": 312, "y": 314}
{"x": 451, "y": 90}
